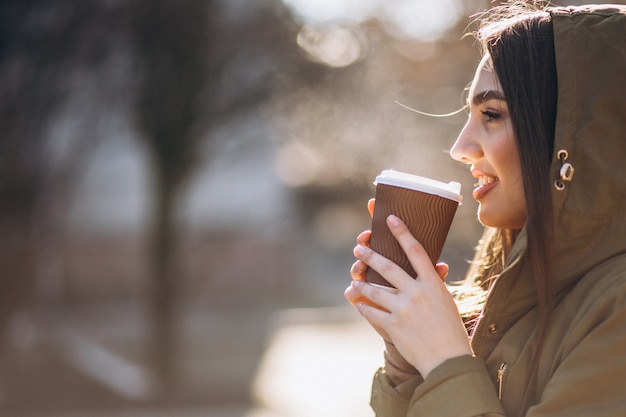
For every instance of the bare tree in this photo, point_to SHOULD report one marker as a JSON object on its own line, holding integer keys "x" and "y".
{"x": 172, "y": 41}
{"x": 42, "y": 43}
{"x": 198, "y": 65}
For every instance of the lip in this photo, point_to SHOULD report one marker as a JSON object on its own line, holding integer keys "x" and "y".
{"x": 481, "y": 191}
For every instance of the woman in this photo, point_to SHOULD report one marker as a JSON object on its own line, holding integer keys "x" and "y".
{"x": 550, "y": 337}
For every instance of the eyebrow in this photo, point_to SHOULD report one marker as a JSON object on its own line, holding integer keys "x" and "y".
{"x": 486, "y": 96}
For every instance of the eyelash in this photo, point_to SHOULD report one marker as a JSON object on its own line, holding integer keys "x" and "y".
{"x": 491, "y": 115}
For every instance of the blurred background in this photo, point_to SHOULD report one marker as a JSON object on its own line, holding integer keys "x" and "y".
{"x": 181, "y": 184}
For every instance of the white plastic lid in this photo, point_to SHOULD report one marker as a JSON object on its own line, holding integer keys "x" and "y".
{"x": 451, "y": 190}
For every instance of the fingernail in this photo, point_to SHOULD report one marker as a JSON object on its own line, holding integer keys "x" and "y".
{"x": 359, "y": 250}
{"x": 393, "y": 220}
{"x": 356, "y": 283}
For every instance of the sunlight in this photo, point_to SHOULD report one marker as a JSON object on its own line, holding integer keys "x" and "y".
{"x": 328, "y": 11}
{"x": 319, "y": 363}
{"x": 334, "y": 46}
{"x": 424, "y": 20}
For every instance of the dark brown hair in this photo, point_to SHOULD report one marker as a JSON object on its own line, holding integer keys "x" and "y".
{"x": 521, "y": 45}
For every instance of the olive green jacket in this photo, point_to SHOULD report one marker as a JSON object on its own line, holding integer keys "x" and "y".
{"x": 582, "y": 367}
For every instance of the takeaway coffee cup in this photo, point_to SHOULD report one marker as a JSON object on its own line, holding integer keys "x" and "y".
{"x": 425, "y": 205}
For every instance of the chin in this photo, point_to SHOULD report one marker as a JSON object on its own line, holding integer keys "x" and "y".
{"x": 499, "y": 221}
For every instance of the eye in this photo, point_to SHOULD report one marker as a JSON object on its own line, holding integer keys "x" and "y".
{"x": 490, "y": 115}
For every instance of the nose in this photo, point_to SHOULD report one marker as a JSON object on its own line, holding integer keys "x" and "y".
{"x": 466, "y": 149}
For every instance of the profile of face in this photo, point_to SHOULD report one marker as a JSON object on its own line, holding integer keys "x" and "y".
{"x": 487, "y": 144}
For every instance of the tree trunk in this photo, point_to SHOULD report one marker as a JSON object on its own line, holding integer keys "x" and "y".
{"x": 165, "y": 297}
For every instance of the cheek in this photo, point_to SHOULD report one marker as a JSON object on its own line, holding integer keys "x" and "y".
{"x": 512, "y": 206}
{"x": 505, "y": 152}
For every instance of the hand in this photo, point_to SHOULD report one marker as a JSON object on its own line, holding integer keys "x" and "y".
{"x": 396, "y": 366}
{"x": 421, "y": 319}
{"x": 359, "y": 268}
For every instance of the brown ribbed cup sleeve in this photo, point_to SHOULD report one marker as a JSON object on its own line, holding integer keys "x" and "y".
{"x": 427, "y": 216}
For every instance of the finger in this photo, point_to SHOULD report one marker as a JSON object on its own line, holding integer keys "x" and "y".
{"x": 378, "y": 295}
{"x": 414, "y": 250}
{"x": 352, "y": 295}
{"x": 372, "y": 295}
{"x": 442, "y": 270}
{"x": 375, "y": 316}
{"x": 358, "y": 300}
{"x": 364, "y": 237}
{"x": 393, "y": 273}
{"x": 370, "y": 206}
{"x": 355, "y": 296}
{"x": 358, "y": 271}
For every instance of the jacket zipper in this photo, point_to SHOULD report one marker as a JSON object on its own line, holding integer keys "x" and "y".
{"x": 500, "y": 379}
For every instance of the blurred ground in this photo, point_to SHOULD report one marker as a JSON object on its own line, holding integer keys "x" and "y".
{"x": 238, "y": 358}
{"x": 297, "y": 352}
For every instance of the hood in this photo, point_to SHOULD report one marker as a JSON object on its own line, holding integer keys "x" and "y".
{"x": 588, "y": 169}
{"x": 590, "y": 211}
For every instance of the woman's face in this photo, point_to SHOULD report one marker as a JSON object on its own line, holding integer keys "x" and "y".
{"x": 487, "y": 143}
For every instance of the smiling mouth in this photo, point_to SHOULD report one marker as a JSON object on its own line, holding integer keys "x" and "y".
{"x": 484, "y": 180}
